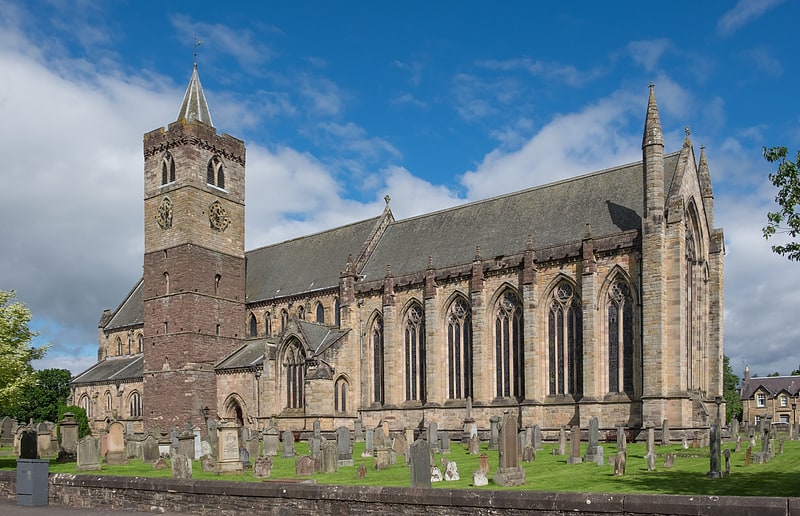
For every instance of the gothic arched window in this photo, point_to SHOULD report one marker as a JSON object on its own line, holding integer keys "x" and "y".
{"x": 508, "y": 343}
{"x": 565, "y": 341}
{"x": 459, "y": 349}
{"x": 337, "y": 316}
{"x": 86, "y": 405}
{"x": 109, "y": 402}
{"x": 135, "y": 404}
{"x": 167, "y": 169}
{"x": 253, "y": 326}
{"x": 140, "y": 342}
{"x": 414, "y": 331}
{"x": 284, "y": 320}
{"x": 377, "y": 360}
{"x": 294, "y": 361}
{"x": 119, "y": 346}
{"x": 340, "y": 395}
{"x": 620, "y": 338}
{"x": 267, "y": 325}
{"x": 215, "y": 175}
{"x": 320, "y": 313}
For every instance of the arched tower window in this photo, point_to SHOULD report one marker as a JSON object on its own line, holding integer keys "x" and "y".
{"x": 337, "y": 316}
{"x": 267, "y": 325}
{"x": 253, "y": 326}
{"x": 86, "y": 405}
{"x": 509, "y": 353}
{"x": 119, "y": 346}
{"x": 284, "y": 320}
{"x": 140, "y": 342}
{"x": 620, "y": 338}
{"x": 377, "y": 360}
{"x": 340, "y": 395}
{"x": 414, "y": 331}
{"x": 215, "y": 174}
{"x": 167, "y": 169}
{"x": 135, "y": 404}
{"x": 166, "y": 282}
{"x": 109, "y": 402}
{"x": 459, "y": 349}
{"x": 301, "y": 313}
{"x": 294, "y": 361}
{"x": 320, "y": 313}
{"x": 565, "y": 341}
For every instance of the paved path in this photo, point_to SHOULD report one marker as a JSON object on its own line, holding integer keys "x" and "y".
{"x": 10, "y": 508}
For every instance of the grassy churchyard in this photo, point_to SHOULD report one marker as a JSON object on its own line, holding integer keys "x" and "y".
{"x": 547, "y": 473}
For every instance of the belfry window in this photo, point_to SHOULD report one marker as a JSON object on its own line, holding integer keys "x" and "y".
{"x": 509, "y": 353}
{"x": 377, "y": 360}
{"x": 336, "y": 314}
{"x": 415, "y": 353}
{"x": 294, "y": 362}
{"x": 284, "y": 320}
{"x": 167, "y": 169}
{"x": 119, "y": 346}
{"x": 320, "y": 313}
{"x": 140, "y": 339}
{"x": 459, "y": 349}
{"x": 253, "y": 326}
{"x": 620, "y": 338}
{"x": 135, "y": 404}
{"x": 215, "y": 173}
{"x": 565, "y": 341}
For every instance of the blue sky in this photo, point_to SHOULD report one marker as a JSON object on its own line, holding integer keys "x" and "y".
{"x": 434, "y": 103}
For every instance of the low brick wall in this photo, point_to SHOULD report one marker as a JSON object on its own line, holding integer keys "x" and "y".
{"x": 225, "y": 498}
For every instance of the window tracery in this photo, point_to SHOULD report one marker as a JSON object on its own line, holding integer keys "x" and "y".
{"x": 565, "y": 341}
{"x": 459, "y": 349}
{"x": 294, "y": 362}
{"x": 620, "y": 338}
{"x": 377, "y": 360}
{"x": 414, "y": 331}
{"x": 508, "y": 340}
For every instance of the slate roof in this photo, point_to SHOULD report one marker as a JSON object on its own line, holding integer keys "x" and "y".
{"x": 772, "y": 384}
{"x": 194, "y": 105}
{"x": 247, "y": 356}
{"x": 113, "y": 369}
{"x": 318, "y": 336}
{"x": 130, "y": 312}
{"x": 611, "y": 201}
{"x": 304, "y": 264}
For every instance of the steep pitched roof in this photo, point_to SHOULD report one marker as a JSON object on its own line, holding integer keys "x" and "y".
{"x": 113, "y": 369}
{"x": 248, "y": 356}
{"x": 194, "y": 106}
{"x": 305, "y": 264}
{"x": 772, "y": 384}
{"x": 557, "y": 213}
{"x": 130, "y": 312}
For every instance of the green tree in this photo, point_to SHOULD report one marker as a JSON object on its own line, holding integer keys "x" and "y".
{"x": 730, "y": 391}
{"x": 41, "y": 401}
{"x": 16, "y": 350}
{"x": 787, "y": 219}
{"x": 776, "y": 373}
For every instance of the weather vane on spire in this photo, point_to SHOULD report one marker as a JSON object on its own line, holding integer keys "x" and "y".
{"x": 197, "y": 43}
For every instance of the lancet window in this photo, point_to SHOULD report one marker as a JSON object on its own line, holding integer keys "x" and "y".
{"x": 377, "y": 360}
{"x": 215, "y": 173}
{"x": 565, "y": 341}
{"x": 509, "y": 353}
{"x": 414, "y": 332}
{"x": 294, "y": 361}
{"x": 620, "y": 338}
{"x": 459, "y": 349}
{"x": 167, "y": 169}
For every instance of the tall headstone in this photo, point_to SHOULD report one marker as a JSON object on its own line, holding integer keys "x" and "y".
{"x": 228, "y": 458}
{"x": 433, "y": 435}
{"x": 88, "y": 454}
{"x": 317, "y": 429}
{"x": 509, "y": 472}
{"x": 181, "y": 466}
{"x": 43, "y": 439}
{"x": 562, "y": 441}
{"x": 421, "y": 464}
{"x": 665, "y": 433}
{"x": 735, "y": 428}
{"x": 650, "y": 449}
{"x": 69, "y": 433}
{"x": 344, "y": 448}
{"x": 329, "y": 457}
{"x": 369, "y": 443}
{"x": 115, "y": 453}
{"x": 29, "y": 444}
{"x": 7, "y": 432}
{"x": 271, "y": 442}
{"x": 537, "y": 437}
{"x": 575, "y": 446}
{"x": 253, "y": 445}
{"x": 315, "y": 447}
{"x": 622, "y": 443}
{"x": 444, "y": 443}
{"x": 186, "y": 444}
{"x": 358, "y": 431}
{"x": 150, "y": 452}
{"x": 288, "y": 444}
{"x": 494, "y": 432}
{"x": 198, "y": 447}
{"x": 594, "y": 452}
{"x": 715, "y": 470}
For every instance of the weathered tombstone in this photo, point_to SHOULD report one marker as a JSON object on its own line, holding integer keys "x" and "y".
{"x": 369, "y": 443}
{"x": 164, "y": 444}
{"x": 181, "y": 466}
{"x": 738, "y": 447}
{"x": 594, "y": 452}
{"x": 575, "y": 446}
{"x": 115, "y": 453}
{"x": 528, "y": 437}
{"x": 622, "y": 441}
{"x": 747, "y": 455}
{"x": 537, "y": 437}
{"x": 213, "y": 436}
{"x": 150, "y": 452}
{"x": 522, "y": 438}
{"x": 43, "y": 438}
{"x": 494, "y": 432}
{"x": 198, "y": 449}
{"x": 382, "y": 459}
{"x": 483, "y": 463}
{"x": 252, "y": 446}
{"x": 263, "y": 467}
{"x": 400, "y": 446}
{"x": 420, "y": 464}
{"x": 29, "y": 444}
{"x": 7, "y": 432}
{"x": 650, "y": 453}
{"x": 208, "y": 462}
{"x": 562, "y": 441}
{"x": 288, "y": 444}
{"x": 244, "y": 458}
{"x": 734, "y": 428}
{"x": 69, "y": 433}
{"x": 88, "y": 454}
{"x": 314, "y": 447}
{"x": 358, "y": 431}
{"x": 669, "y": 460}
{"x": 409, "y": 434}
{"x": 651, "y": 461}
{"x": 361, "y": 472}
{"x": 727, "y": 454}
{"x": 433, "y": 435}
{"x": 444, "y": 443}
{"x": 317, "y": 429}
{"x": 474, "y": 445}
{"x": 205, "y": 449}
{"x": 228, "y": 458}
{"x": 529, "y": 454}
{"x": 161, "y": 463}
{"x": 665, "y": 433}
{"x": 344, "y": 448}
{"x": 304, "y": 466}
{"x": 509, "y": 472}
{"x": 780, "y": 447}
{"x": 271, "y": 442}
{"x": 186, "y": 444}
{"x": 479, "y": 479}
{"x": 436, "y": 474}
{"x": 451, "y": 471}
{"x": 329, "y": 462}
{"x": 715, "y": 470}
{"x": 619, "y": 463}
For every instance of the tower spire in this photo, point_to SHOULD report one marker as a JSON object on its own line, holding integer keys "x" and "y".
{"x": 652, "y": 124}
{"x": 194, "y": 106}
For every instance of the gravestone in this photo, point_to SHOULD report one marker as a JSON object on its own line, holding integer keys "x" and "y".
{"x": 198, "y": 447}
{"x": 537, "y": 437}
{"x": 244, "y": 458}
{"x": 329, "y": 462}
{"x": 88, "y": 454}
{"x": 522, "y": 439}
{"x": 619, "y": 463}
{"x": 253, "y": 445}
{"x": 594, "y": 452}
{"x": 622, "y": 442}
{"x": 344, "y": 448}
{"x": 529, "y": 454}
{"x": 715, "y": 469}
{"x": 244, "y": 434}
{"x": 747, "y": 455}
{"x": 562, "y": 441}
{"x": 263, "y": 467}
{"x": 474, "y": 445}
{"x": 738, "y": 447}
{"x": 358, "y": 431}
{"x": 7, "y": 431}
{"x": 382, "y": 458}
{"x": 29, "y": 444}
{"x": 494, "y": 432}
{"x": 43, "y": 438}
{"x": 271, "y": 442}
{"x": 665, "y": 433}
{"x": 575, "y": 446}
{"x": 161, "y": 463}
{"x": 651, "y": 461}
{"x": 650, "y": 449}
{"x": 436, "y": 474}
{"x": 369, "y": 443}
{"x": 208, "y": 462}
{"x": 181, "y": 466}
{"x": 409, "y": 434}
{"x": 727, "y": 455}
{"x": 509, "y": 472}
{"x": 115, "y": 453}
{"x": 479, "y": 479}
{"x": 150, "y": 451}
{"x": 228, "y": 458}
{"x": 361, "y": 472}
{"x": 451, "y": 471}
{"x": 669, "y": 460}
{"x": 444, "y": 443}
{"x": 420, "y": 464}
{"x": 433, "y": 435}
{"x": 400, "y": 446}
{"x": 734, "y": 428}
{"x": 211, "y": 432}
{"x": 206, "y": 450}
{"x": 304, "y": 466}
{"x": 314, "y": 447}
{"x": 317, "y": 430}
{"x": 780, "y": 447}
{"x": 288, "y": 444}
{"x": 133, "y": 446}
{"x": 483, "y": 463}
{"x": 186, "y": 444}
{"x": 69, "y": 433}
{"x": 164, "y": 444}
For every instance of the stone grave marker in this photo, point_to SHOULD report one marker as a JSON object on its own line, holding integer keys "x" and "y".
{"x": 622, "y": 439}
{"x": 115, "y": 453}
{"x": 650, "y": 448}
{"x": 69, "y": 433}
{"x": 715, "y": 469}
{"x": 537, "y": 437}
{"x": 329, "y": 461}
{"x": 43, "y": 439}
{"x": 474, "y": 445}
{"x": 479, "y": 479}
{"x": 433, "y": 435}
{"x": 436, "y": 474}
{"x": 669, "y": 460}
{"x": 198, "y": 450}
{"x": 483, "y": 463}
{"x": 263, "y": 467}
{"x": 7, "y": 432}
{"x": 494, "y": 432}
{"x": 738, "y": 447}
{"x": 288, "y": 444}
{"x": 619, "y": 463}
{"x": 358, "y": 431}
{"x": 651, "y": 461}
{"x": 28, "y": 444}
{"x": 529, "y": 454}
{"x": 186, "y": 444}
{"x": 88, "y": 454}
{"x": 420, "y": 464}
{"x": 228, "y": 458}
{"x": 409, "y": 435}
{"x": 400, "y": 446}
{"x": 181, "y": 466}
{"x": 734, "y": 428}
{"x": 271, "y": 442}
{"x": 509, "y": 472}
{"x": 208, "y": 462}
{"x": 314, "y": 447}
{"x": 369, "y": 443}
{"x": 361, "y": 472}
{"x": 594, "y": 452}
{"x": 727, "y": 455}
{"x": 344, "y": 448}
{"x": 150, "y": 451}
{"x": 665, "y": 433}
{"x": 562, "y": 441}
{"x": 244, "y": 458}
{"x": 304, "y": 466}
{"x": 451, "y": 471}
{"x": 575, "y": 446}
{"x": 747, "y": 455}
{"x": 317, "y": 429}
{"x": 444, "y": 443}
{"x": 253, "y": 445}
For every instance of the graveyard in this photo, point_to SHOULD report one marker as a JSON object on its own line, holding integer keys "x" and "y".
{"x": 579, "y": 465}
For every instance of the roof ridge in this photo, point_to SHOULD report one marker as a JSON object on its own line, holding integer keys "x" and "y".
{"x": 324, "y": 231}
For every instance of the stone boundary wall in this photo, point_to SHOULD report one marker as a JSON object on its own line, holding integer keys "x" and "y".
{"x": 225, "y": 498}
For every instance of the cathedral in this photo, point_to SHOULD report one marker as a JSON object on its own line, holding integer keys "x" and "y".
{"x": 596, "y": 296}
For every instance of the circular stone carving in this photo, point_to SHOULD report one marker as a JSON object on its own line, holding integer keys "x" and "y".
{"x": 164, "y": 214}
{"x": 218, "y": 217}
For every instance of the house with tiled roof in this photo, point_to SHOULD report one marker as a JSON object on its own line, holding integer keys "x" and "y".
{"x": 772, "y": 397}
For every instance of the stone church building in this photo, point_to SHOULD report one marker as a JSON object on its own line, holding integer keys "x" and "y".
{"x": 600, "y": 295}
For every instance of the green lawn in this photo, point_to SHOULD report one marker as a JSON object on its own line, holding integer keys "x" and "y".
{"x": 547, "y": 473}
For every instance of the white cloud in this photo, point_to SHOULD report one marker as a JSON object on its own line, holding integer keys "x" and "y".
{"x": 743, "y": 13}
{"x": 648, "y": 53}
